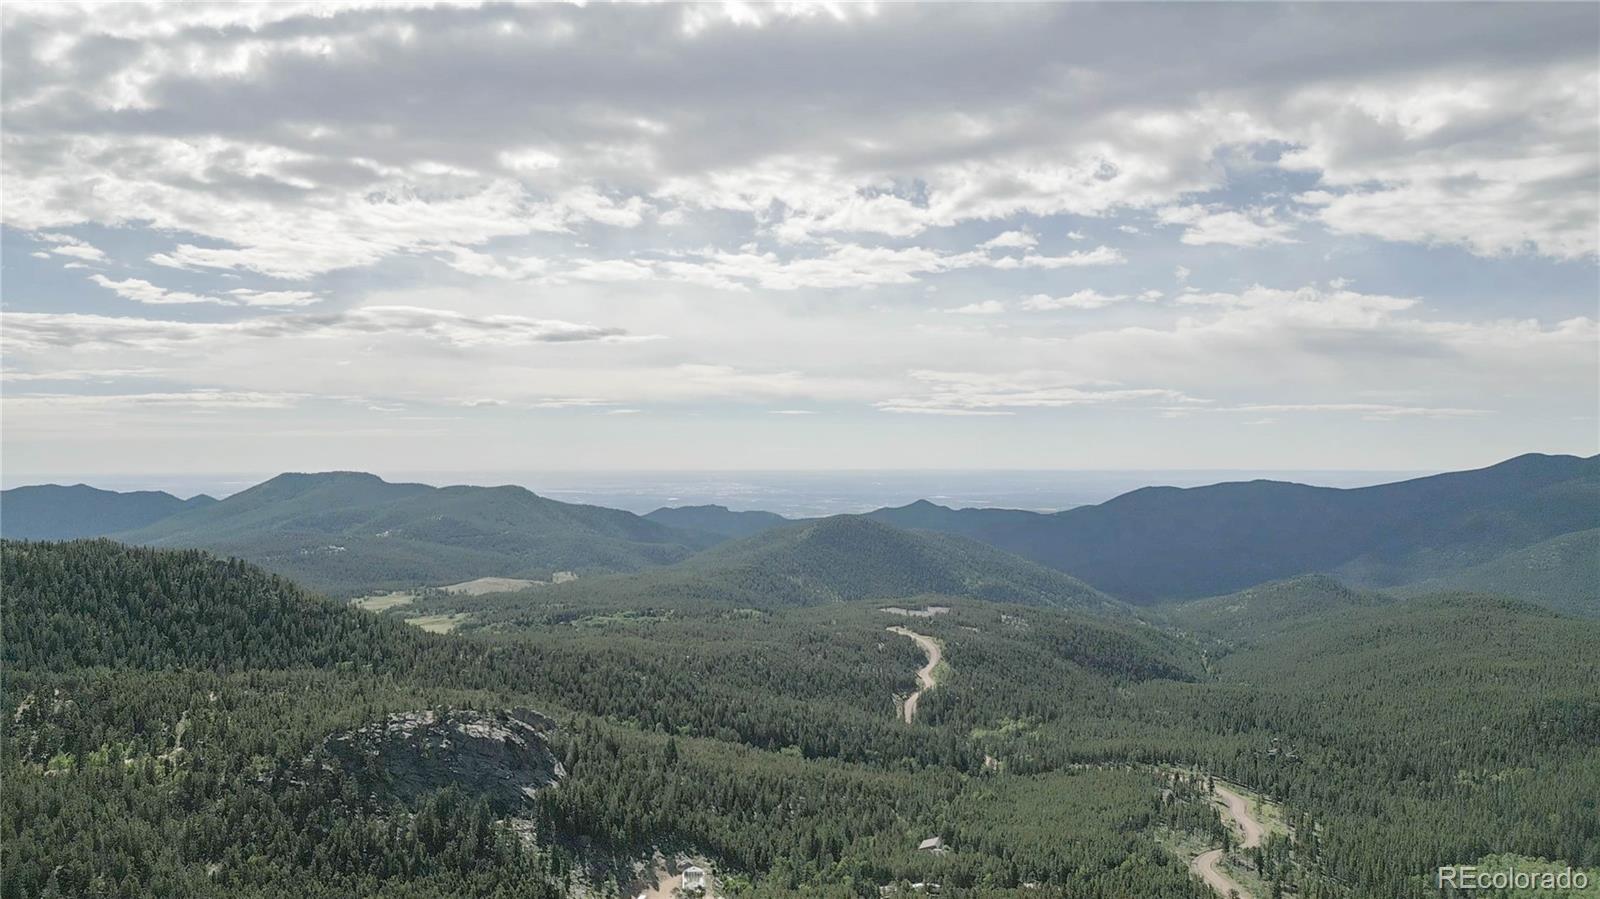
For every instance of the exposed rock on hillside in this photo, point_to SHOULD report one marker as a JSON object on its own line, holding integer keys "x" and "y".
{"x": 501, "y": 756}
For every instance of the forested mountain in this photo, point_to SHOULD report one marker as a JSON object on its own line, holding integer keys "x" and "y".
{"x": 1268, "y": 609}
{"x": 209, "y": 705}
{"x": 348, "y": 532}
{"x": 1166, "y": 542}
{"x": 209, "y": 702}
{"x": 719, "y": 520}
{"x": 845, "y": 557}
{"x": 1562, "y": 573}
{"x": 55, "y": 512}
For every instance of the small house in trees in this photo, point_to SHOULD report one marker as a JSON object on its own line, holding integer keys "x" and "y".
{"x": 932, "y": 844}
{"x": 694, "y": 878}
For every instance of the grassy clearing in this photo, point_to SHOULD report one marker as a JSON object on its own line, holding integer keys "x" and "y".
{"x": 483, "y": 585}
{"x": 439, "y": 624}
{"x": 384, "y": 601}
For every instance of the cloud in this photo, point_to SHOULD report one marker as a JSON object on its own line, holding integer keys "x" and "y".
{"x": 973, "y": 393}
{"x": 38, "y": 330}
{"x": 839, "y": 265}
{"x": 144, "y": 292}
{"x": 1082, "y": 299}
{"x": 987, "y": 307}
{"x": 486, "y": 265}
{"x": 1369, "y": 411}
{"x": 274, "y": 297}
{"x": 1499, "y": 162}
{"x": 1208, "y": 225}
{"x": 1021, "y": 240}
{"x": 200, "y": 399}
{"x": 198, "y": 125}
{"x": 67, "y": 245}
{"x": 141, "y": 291}
{"x": 422, "y": 226}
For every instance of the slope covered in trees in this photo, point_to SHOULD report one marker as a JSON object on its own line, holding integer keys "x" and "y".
{"x": 1397, "y": 735}
{"x": 1165, "y": 542}
{"x": 347, "y": 532}
{"x": 1562, "y": 573}
{"x": 211, "y": 746}
{"x": 845, "y": 557}
{"x": 56, "y": 512}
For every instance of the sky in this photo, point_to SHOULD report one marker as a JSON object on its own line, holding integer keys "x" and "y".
{"x": 723, "y": 237}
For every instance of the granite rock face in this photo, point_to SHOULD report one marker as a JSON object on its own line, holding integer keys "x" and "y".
{"x": 499, "y": 755}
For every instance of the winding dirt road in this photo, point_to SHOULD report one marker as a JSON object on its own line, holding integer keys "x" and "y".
{"x": 925, "y": 681}
{"x": 1206, "y": 863}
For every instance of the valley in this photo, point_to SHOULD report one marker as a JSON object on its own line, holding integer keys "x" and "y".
{"x": 747, "y": 707}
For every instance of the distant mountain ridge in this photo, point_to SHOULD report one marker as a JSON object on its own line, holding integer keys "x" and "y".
{"x": 1167, "y": 542}
{"x": 719, "y": 520}
{"x": 351, "y": 532}
{"x": 846, "y": 557}
{"x": 1509, "y": 528}
{"x": 57, "y": 512}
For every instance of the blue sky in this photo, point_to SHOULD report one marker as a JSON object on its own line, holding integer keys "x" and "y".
{"x": 256, "y": 238}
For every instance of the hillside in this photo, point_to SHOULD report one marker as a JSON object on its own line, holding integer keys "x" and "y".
{"x": 1562, "y": 573}
{"x": 348, "y": 532}
{"x": 55, "y": 512}
{"x": 1165, "y": 542}
{"x": 95, "y": 603}
{"x": 845, "y": 557}
{"x": 719, "y": 520}
{"x": 1268, "y": 609}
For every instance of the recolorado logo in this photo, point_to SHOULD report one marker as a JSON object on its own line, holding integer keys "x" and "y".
{"x": 1470, "y": 877}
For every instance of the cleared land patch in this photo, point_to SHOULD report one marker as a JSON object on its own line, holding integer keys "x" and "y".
{"x": 925, "y": 612}
{"x": 438, "y": 624}
{"x": 384, "y": 601}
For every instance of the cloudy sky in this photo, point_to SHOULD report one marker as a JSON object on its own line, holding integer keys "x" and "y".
{"x": 678, "y": 237}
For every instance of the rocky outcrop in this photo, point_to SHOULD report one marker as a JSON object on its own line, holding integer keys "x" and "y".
{"x": 499, "y": 755}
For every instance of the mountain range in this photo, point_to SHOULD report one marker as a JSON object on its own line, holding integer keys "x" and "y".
{"x": 56, "y": 512}
{"x": 1528, "y": 527}
{"x": 348, "y": 532}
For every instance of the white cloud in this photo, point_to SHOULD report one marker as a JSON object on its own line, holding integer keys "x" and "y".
{"x": 40, "y": 330}
{"x": 201, "y": 399}
{"x": 141, "y": 291}
{"x": 1499, "y": 163}
{"x": 987, "y": 307}
{"x": 485, "y": 265}
{"x": 1207, "y": 225}
{"x": 1022, "y": 240}
{"x": 974, "y": 393}
{"x": 1082, "y": 299}
{"x": 1369, "y": 411}
{"x": 274, "y": 297}
{"x": 144, "y": 292}
{"x": 786, "y": 231}
{"x": 67, "y": 245}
